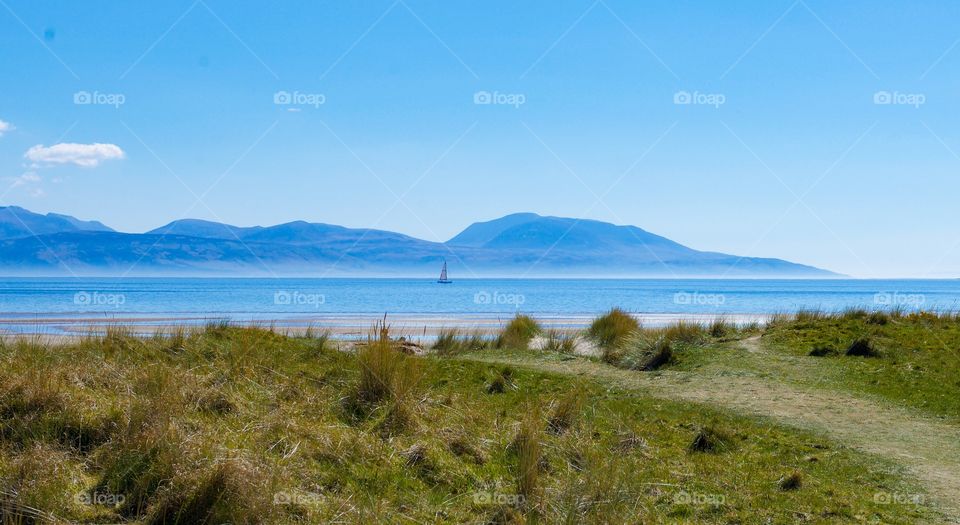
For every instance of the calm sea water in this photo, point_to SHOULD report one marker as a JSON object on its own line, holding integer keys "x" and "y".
{"x": 28, "y": 298}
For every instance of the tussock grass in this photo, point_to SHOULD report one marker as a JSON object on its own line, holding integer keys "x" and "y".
{"x": 451, "y": 341}
{"x": 557, "y": 341}
{"x": 243, "y": 425}
{"x": 646, "y": 351}
{"x": 565, "y": 411}
{"x": 611, "y": 328}
{"x": 528, "y": 449}
{"x": 914, "y": 356}
{"x": 518, "y": 333}
{"x": 710, "y": 439}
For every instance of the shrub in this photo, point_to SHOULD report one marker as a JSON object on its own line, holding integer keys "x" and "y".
{"x": 518, "y": 333}
{"x": 611, "y": 328}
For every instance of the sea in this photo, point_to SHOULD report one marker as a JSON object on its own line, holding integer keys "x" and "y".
{"x": 52, "y": 305}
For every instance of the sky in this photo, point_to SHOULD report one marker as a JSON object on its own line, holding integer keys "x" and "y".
{"x": 819, "y": 132}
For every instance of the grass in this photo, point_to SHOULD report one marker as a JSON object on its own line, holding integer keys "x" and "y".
{"x": 610, "y": 329}
{"x": 910, "y": 359}
{"x": 518, "y": 332}
{"x": 228, "y": 424}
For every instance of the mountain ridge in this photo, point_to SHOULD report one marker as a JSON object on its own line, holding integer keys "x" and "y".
{"x": 520, "y": 244}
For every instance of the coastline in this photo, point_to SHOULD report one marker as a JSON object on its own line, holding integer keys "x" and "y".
{"x": 343, "y": 326}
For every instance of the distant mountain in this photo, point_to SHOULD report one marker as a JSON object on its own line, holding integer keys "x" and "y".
{"x": 205, "y": 229}
{"x": 522, "y": 244}
{"x": 17, "y": 222}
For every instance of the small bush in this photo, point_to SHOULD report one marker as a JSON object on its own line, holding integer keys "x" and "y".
{"x": 610, "y": 329}
{"x": 518, "y": 333}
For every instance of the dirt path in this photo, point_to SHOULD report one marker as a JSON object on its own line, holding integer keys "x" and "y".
{"x": 929, "y": 449}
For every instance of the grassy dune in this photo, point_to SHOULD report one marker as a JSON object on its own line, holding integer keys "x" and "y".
{"x": 242, "y": 425}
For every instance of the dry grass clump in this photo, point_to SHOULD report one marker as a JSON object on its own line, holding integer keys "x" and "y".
{"x": 862, "y": 347}
{"x": 645, "y": 351}
{"x": 792, "y": 481}
{"x": 720, "y": 328}
{"x": 518, "y": 332}
{"x": 228, "y": 491}
{"x": 451, "y": 341}
{"x": 611, "y": 328}
{"x": 557, "y": 341}
{"x": 528, "y": 449}
{"x": 566, "y": 410}
{"x": 685, "y": 332}
{"x": 501, "y": 381}
{"x": 710, "y": 439}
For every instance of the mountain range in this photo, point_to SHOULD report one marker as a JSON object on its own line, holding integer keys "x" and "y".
{"x": 517, "y": 245}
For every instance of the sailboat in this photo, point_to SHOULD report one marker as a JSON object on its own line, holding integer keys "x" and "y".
{"x": 443, "y": 274}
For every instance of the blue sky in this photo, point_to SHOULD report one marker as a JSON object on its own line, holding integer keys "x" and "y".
{"x": 819, "y": 132}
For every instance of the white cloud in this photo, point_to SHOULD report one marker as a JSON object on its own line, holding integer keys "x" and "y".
{"x": 84, "y": 155}
{"x": 5, "y": 127}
